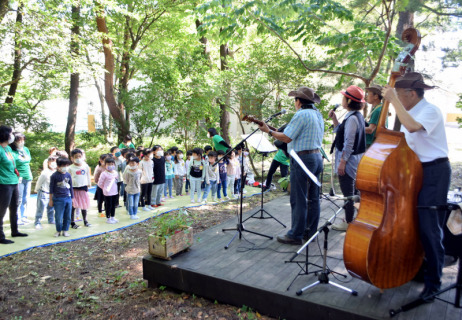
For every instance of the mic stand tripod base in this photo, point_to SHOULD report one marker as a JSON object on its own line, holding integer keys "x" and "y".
{"x": 262, "y": 210}
{"x": 239, "y": 230}
{"x": 323, "y": 277}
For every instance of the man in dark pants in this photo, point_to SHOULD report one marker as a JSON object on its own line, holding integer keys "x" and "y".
{"x": 304, "y": 135}
{"x": 423, "y": 127}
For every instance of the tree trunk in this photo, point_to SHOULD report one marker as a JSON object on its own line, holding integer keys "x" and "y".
{"x": 17, "y": 57}
{"x": 3, "y": 9}
{"x": 405, "y": 20}
{"x": 69, "y": 138}
{"x": 109, "y": 64}
{"x": 224, "y": 119}
{"x": 204, "y": 41}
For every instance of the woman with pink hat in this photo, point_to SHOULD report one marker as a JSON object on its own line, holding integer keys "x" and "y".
{"x": 350, "y": 145}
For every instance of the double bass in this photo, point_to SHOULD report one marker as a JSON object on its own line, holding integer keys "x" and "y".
{"x": 382, "y": 245}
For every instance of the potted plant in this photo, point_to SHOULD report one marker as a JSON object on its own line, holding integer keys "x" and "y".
{"x": 172, "y": 234}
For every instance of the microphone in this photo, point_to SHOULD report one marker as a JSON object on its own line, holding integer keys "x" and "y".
{"x": 283, "y": 111}
{"x": 334, "y": 109}
{"x": 354, "y": 198}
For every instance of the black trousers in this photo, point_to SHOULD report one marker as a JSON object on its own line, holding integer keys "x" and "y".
{"x": 119, "y": 184}
{"x": 9, "y": 197}
{"x": 111, "y": 203}
{"x": 99, "y": 197}
{"x": 145, "y": 197}
{"x": 348, "y": 187}
{"x": 274, "y": 166}
{"x": 434, "y": 192}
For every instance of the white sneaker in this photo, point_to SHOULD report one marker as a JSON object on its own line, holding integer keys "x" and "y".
{"x": 214, "y": 199}
{"x": 57, "y": 234}
{"x": 192, "y": 201}
{"x": 245, "y": 191}
{"x": 151, "y": 208}
{"x": 134, "y": 217}
{"x": 115, "y": 220}
{"x": 340, "y": 226}
{"x": 38, "y": 226}
{"x": 20, "y": 222}
{"x": 204, "y": 201}
{"x": 25, "y": 220}
{"x": 108, "y": 220}
{"x": 227, "y": 198}
{"x": 146, "y": 209}
{"x": 236, "y": 196}
{"x": 66, "y": 234}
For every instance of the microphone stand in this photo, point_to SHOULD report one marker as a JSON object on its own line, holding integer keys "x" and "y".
{"x": 324, "y": 271}
{"x": 240, "y": 225}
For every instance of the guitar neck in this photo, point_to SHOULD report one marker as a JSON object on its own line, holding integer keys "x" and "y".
{"x": 260, "y": 123}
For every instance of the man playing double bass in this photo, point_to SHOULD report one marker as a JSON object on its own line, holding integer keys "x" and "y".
{"x": 423, "y": 127}
{"x": 304, "y": 135}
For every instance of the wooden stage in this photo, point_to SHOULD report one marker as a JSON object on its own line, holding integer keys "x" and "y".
{"x": 259, "y": 278}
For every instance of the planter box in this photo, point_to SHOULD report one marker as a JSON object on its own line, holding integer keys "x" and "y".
{"x": 173, "y": 244}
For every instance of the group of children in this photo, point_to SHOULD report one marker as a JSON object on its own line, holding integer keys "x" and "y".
{"x": 143, "y": 177}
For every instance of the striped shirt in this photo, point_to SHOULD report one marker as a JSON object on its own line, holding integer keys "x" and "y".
{"x": 306, "y": 130}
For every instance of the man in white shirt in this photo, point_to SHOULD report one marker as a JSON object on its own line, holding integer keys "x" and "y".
{"x": 423, "y": 127}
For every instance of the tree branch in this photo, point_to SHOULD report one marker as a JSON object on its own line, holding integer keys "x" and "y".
{"x": 448, "y": 14}
{"x": 352, "y": 75}
{"x": 24, "y": 67}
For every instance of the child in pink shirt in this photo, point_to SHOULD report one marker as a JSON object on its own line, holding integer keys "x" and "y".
{"x": 108, "y": 183}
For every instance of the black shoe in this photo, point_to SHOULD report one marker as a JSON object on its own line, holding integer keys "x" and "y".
{"x": 427, "y": 294}
{"x": 86, "y": 224}
{"x": 6, "y": 241}
{"x": 19, "y": 234}
{"x": 286, "y": 240}
{"x": 74, "y": 226}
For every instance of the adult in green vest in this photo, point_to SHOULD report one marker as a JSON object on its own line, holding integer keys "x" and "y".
{"x": 127, "y": 144}
{"x": 374, "y": 98}
{"x": 9, "y": 178}
{"x": 22, "y": 157}
{"x": 218, "y": 142}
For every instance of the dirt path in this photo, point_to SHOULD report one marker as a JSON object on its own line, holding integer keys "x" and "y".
{"x": 101, "y": 278}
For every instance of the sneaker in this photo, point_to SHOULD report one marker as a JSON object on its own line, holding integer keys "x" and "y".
{"x": 227, "y": 198}
{"x": 146, "y": 209}
{"x": 245, "y": 191}
{"x": 204, "y": 201}
{"x": 152, "y": 208}
{"x": 214, "y": 199}
{"x": 66, "y": 234}
{"x": 236, "y": 196}
{"x": 74, "y": 226}
{"x": 52, "y": 222}
{"x": 109, "y": 220}
{"x": 115, "y": 220}
{"x": 25, "y": 220}
{"x": 86, "y": 224}
{"x": 57, "y": 234}
{"x": 102, "y": 215}
{"x": 340, "y": 226}
{"x": 38, "y": 226}
{"x": 134, "y": 217}
{"x": 20, "y": 222}
{"x": 172, "y": 197}
{"x": 192, "y": 201}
